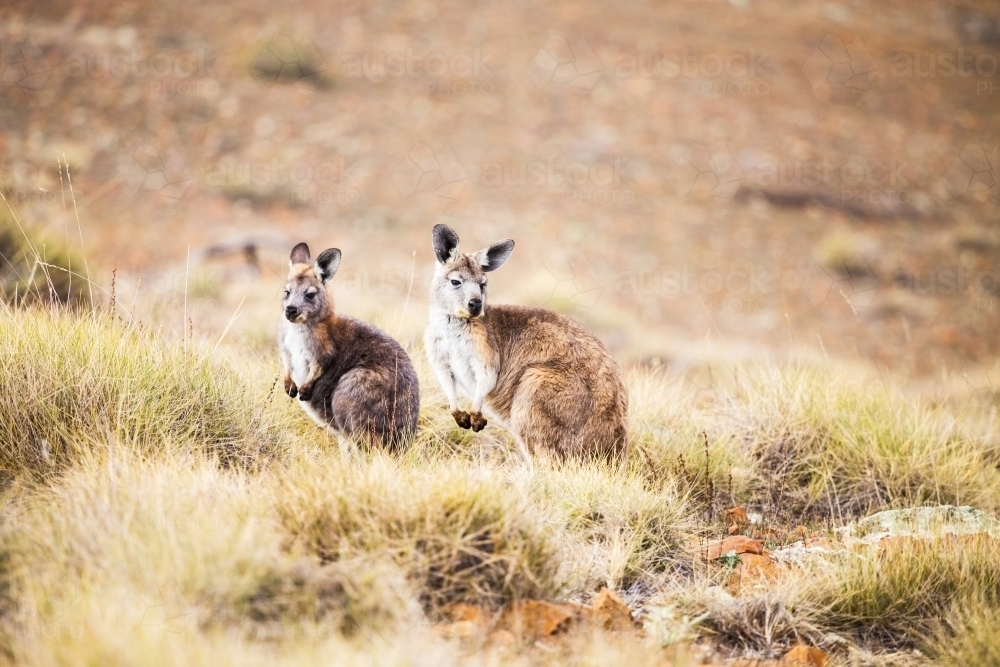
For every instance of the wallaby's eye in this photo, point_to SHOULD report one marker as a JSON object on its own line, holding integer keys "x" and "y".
{"x": 456, "y": 283}
{"x": 287, "y": 292}
{"x": 310, "y": 295}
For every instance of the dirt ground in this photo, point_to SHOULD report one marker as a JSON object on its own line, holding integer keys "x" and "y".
{"x": 694, "y": 180}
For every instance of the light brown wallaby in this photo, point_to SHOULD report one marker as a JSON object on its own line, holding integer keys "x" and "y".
{"x": 542, "y": 375}
{"x": 347, "y": 374}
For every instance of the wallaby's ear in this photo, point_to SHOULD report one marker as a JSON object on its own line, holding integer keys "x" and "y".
{"x": 492, "y": 258}
{"x": 445, "y": 242}
{"x": 300, "y": 254}
{"x": 327, "y": 264}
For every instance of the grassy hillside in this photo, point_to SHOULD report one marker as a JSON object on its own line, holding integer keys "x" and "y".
{"x": 162, "y": 506}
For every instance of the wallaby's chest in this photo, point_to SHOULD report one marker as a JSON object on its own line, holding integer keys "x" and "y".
{"x": 301, "y": 350}
{"x": 465, "y": 351}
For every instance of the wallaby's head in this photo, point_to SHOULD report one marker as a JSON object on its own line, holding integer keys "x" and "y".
{"x": 459, "y": 283}
{"x": 306, "y": 299}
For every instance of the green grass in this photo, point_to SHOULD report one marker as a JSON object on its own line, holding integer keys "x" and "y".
{"x": 969, "y": 637}
{"x": 898, "y": 595}
{"x": 827, "y": 446}
{"x": 35, "y": 267}
{"x": 70, "y": 384}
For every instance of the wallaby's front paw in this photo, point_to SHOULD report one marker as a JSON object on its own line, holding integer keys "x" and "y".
{"x": 477, "y": 421}
{"x": 291, "y": 389}
{"x": 305, "y": 393}
{"x": 462, "y": 418}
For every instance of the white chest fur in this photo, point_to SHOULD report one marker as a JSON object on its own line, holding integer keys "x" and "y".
{"x": 297, "y": 345}
{"x": 295, "y": 338}
{"x": 453, "y": 346}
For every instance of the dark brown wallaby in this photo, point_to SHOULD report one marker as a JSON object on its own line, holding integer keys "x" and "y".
{"x": 347, "y": 374}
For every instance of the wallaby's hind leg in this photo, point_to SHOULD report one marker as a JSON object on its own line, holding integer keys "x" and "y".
{"x": 370, "y": 404}
{"x": 549, "y": 411}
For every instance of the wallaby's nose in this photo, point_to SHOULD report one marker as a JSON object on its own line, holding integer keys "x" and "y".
{"x": 291, "y": 312}
{"x": 475, "y": 306}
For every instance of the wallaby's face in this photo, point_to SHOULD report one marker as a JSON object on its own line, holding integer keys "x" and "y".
{"x": 459, "y": 284}
{"x": 306, "y": 299}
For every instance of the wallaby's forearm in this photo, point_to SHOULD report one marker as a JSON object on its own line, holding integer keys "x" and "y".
{"x": 315, "y": 370}
{"x": 286, "y": 369}
{"x": 447, "y": 381}
{"x": 486, "y": 380}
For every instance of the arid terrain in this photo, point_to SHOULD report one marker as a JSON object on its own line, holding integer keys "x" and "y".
{"x": 782, "y": 218}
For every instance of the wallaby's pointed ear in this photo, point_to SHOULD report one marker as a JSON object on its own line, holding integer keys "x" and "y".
{"x": 300, "y": 254}
{"x": 492, "y": 258}
{"x": 327, "y": 264}
{"x": 445, "y": 242}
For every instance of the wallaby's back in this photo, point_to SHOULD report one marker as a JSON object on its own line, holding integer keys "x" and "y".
{"x": 368, "y": 385}
{"x": 556, "y": 381}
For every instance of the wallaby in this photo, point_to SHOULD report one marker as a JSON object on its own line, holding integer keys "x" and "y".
{"x": 347, "y": 374}
{"x": 542, "y": 375}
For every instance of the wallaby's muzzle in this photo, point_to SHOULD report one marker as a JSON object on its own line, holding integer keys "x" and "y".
{"x": 291, "y": 312}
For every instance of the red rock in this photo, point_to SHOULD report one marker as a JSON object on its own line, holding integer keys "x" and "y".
{"x": 610, "y": 612}
{"x": 738, "y": 543}
{"x": 804, "y": 656}
{"x": 738, "y": 515}
{"x": 536, "y": 618}
{"x": 758, "y": 567}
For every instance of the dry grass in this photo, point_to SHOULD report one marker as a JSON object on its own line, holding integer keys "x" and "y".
{"x": 459, "y": 533}
{"x": 38, "y": 268}
{"x": 971, "y": 638}
{"x": 895, "y": 597}
{"x": 183, "y": 514}
{"x": 71, "y": 384}
{"x": 830, "y": 447}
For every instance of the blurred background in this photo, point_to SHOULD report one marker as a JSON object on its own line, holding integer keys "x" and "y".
{"x": 696, "y": 181}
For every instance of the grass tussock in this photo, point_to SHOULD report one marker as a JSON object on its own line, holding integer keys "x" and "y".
{"x": 824, "y": 446}
{"x": 70, "y": 384}
{"x": 673, "y": 440}
{"x": 460, "y": 535}
{"x": 36, "y": 268}
{"x": 762, "y": 624}
{"x": 615, "y": 527}
{"x": 897, "y": 596}
{"x": 969, "y": 638}
{"x": 303, "y": 549}
{"x": 183, "y": 549}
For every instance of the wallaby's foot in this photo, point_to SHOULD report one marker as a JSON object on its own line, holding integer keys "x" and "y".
{"x": 462, "y": 418}
{"x": 305, "y": 393}
{"x": 477, "y": 421}
{"x": 291, "y": 389}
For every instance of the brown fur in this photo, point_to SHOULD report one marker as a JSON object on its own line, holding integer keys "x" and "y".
{"x": 548, "y": 379}
{"x": 359, "y": 380}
